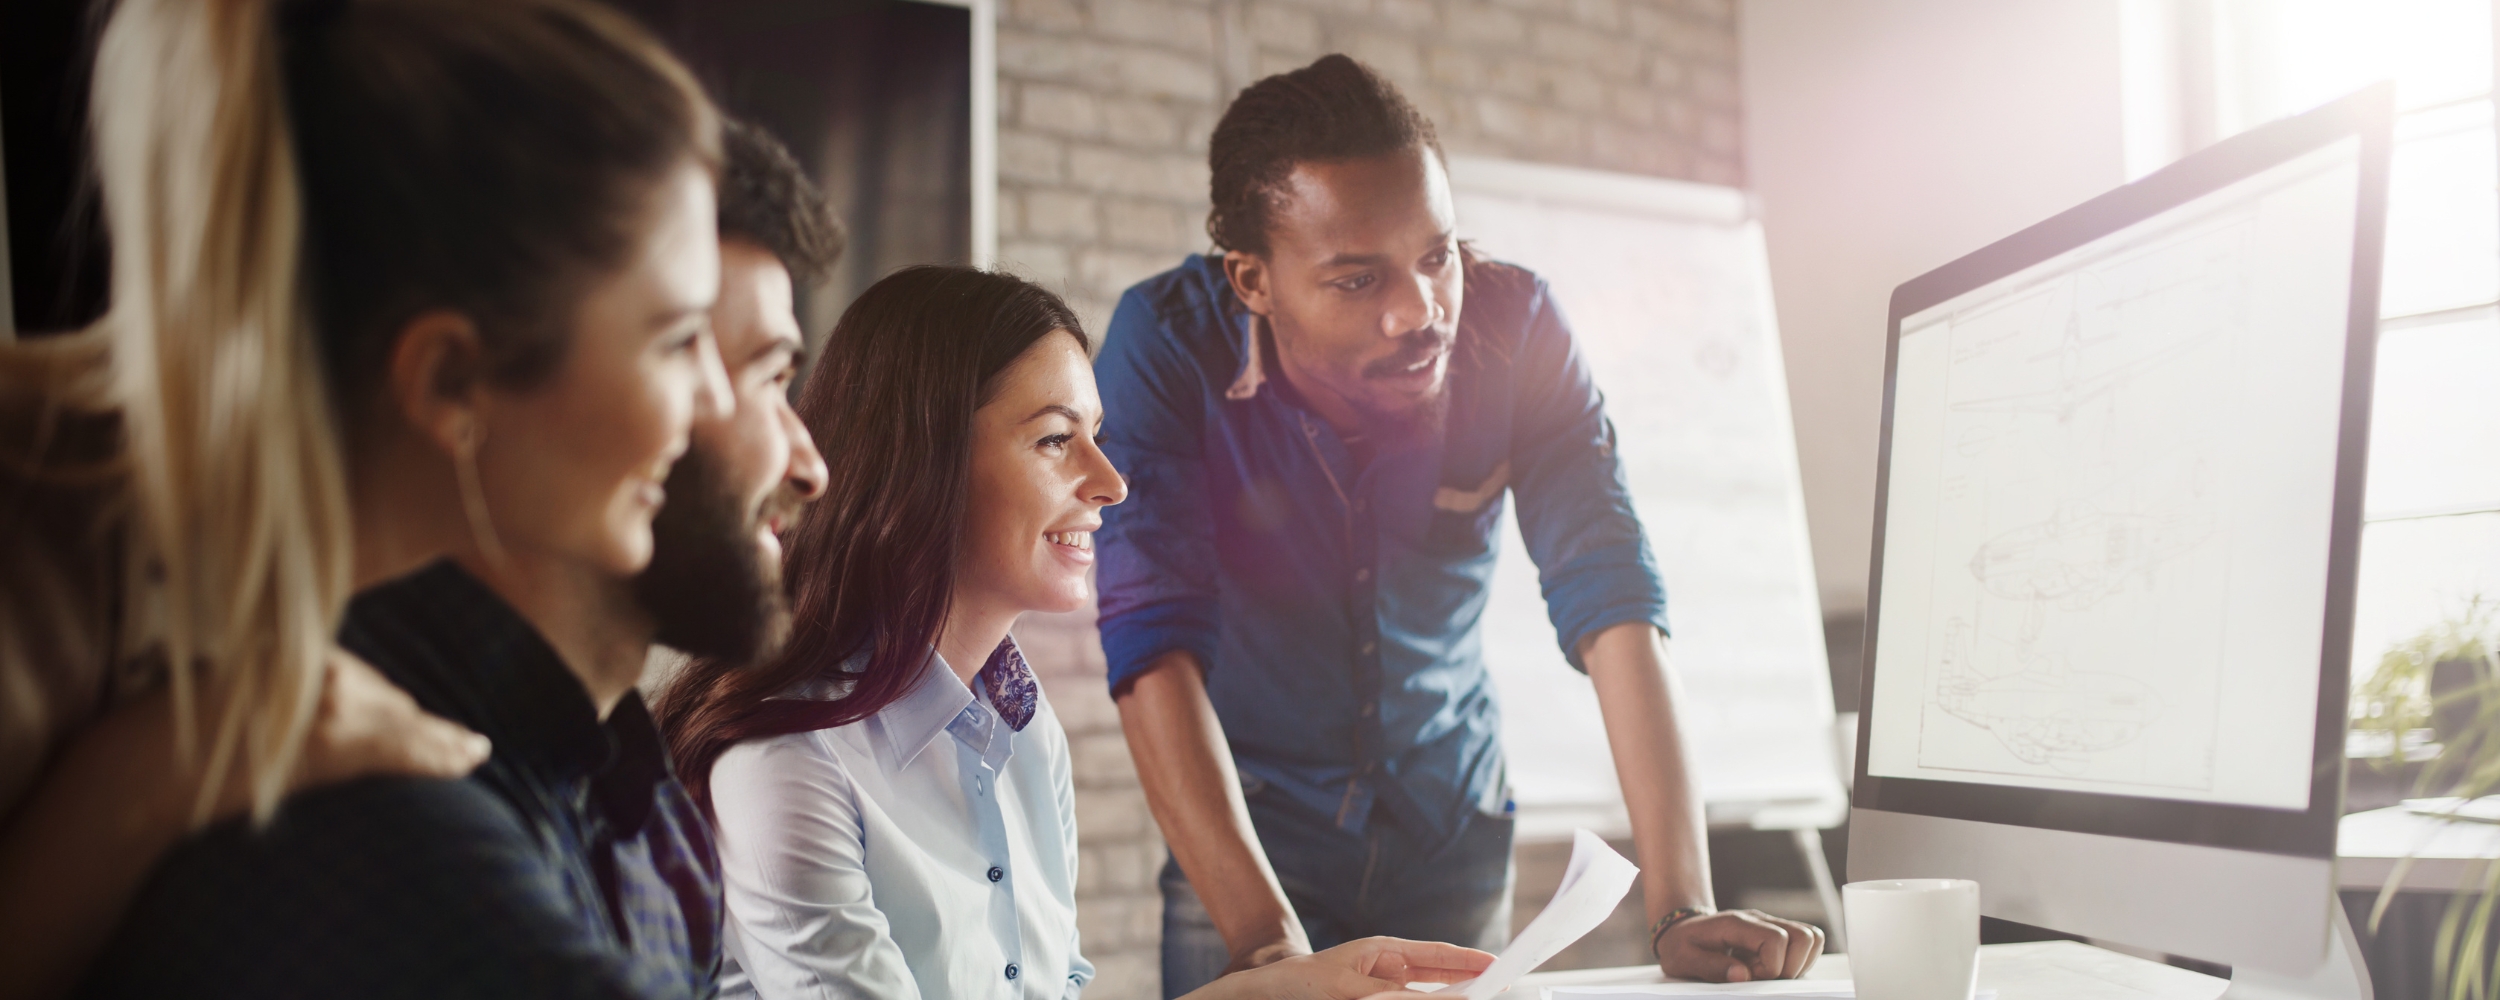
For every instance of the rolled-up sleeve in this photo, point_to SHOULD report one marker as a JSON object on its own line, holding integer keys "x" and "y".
{"x": 793, "y": 860}
{"x": 1157, "y": 568}
{"x": 1575, "y": 510}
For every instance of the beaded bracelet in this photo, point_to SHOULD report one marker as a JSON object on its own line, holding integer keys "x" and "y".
{"x": 1673, "y": 917}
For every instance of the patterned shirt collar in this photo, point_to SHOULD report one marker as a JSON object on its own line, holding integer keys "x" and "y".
{"x": 915, "y": 721}
{"x": 1008, "y": 681}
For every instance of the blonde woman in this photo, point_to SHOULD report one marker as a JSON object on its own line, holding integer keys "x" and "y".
{"x": 288, "y": 294}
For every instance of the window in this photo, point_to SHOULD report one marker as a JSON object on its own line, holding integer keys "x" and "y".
{"x": 2432, "y": 535}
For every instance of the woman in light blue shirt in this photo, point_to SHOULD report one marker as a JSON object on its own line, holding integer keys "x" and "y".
{"x": 892, "y": 792}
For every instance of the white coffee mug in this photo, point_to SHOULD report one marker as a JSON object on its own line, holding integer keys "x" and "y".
{"x": 1913, "y": 938}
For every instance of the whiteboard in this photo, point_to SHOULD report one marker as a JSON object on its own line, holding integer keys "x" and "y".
{"x": 1667, "y": 287}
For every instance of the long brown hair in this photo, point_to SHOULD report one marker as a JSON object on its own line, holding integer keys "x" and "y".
{"x": 872, "y": 564}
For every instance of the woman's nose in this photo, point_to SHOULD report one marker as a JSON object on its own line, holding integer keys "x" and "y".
{"x": 1105, "y": 486}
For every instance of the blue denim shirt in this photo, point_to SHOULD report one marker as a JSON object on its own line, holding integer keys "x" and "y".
{"x": 1337, "y": 607}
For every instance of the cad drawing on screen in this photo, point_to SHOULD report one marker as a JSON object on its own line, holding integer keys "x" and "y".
{"x": 2082, "y": 489}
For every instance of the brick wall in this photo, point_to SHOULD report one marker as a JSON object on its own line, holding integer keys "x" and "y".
{"x": 1104, "y": 110}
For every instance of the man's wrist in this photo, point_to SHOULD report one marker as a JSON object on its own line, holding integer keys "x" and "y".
{"x": 1666, "y": 922}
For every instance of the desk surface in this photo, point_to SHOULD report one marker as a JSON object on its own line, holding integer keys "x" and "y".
{"x": 2040, "y": 970}
{"x": 2447, "y": 854}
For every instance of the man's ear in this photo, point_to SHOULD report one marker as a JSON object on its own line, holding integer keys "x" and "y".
{"x": 437, "y": 377}
{"x": 1253, "y": 282}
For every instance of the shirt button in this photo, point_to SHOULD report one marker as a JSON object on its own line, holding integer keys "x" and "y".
{"x": 1363, "y": 575}
{"x": 1370, "y": 709}
{"x": 1368, "y": 647}
{"x": 996, "y": 873}
{"x": 1012, "y": 971}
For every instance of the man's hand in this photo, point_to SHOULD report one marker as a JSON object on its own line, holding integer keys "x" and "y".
{"x": 1738, "y": 946}
{"x": 1377, "y": 968}
{"x": 367, "y": 727}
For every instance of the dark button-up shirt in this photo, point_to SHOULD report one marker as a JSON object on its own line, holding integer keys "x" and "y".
{"x": 570, "y": 865}
{"x": 1334, "y": 601}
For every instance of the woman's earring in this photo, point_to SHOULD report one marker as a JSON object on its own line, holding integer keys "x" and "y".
{"x": 473, "y": 495}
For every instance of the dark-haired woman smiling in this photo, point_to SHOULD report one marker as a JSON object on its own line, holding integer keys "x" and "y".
{"x": 892, "y": 792}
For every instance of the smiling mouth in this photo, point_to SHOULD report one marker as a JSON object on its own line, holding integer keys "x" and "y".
{"x": 1072, "y": 539}
{"x": 1400, "y": 369}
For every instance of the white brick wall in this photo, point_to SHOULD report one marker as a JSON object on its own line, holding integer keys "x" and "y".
{"x": 1119, "y": 914}
{"x": 1104, "y": 110}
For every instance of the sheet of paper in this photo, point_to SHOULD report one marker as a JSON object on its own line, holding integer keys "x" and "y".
{"x": 1592, "y": 884}
{"x": 1784, "y": 989}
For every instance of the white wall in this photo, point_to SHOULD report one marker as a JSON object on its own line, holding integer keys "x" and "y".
{"x": 1884, "y": 138}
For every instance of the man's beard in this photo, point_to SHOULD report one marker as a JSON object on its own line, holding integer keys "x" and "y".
{"x": 1418, "y": 424}
{"x": 709, "y": 589}
{"x": 1422, "y": 420}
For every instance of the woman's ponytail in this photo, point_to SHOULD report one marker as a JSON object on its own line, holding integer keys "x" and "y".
{"x": 242, "y": 556}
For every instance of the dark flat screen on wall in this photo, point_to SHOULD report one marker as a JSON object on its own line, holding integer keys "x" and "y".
{"x": 874, "y": 97}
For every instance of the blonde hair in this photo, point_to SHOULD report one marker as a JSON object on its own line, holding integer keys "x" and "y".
{"x": 242, "y": 544}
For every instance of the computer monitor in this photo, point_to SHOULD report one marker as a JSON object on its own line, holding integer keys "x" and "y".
{"x": 2118, "y": 516}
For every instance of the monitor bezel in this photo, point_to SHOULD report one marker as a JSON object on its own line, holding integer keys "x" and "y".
{"x": 2367, "y": 115}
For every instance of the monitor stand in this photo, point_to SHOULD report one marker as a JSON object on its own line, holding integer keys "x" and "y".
{"x": 2341, "y": 977}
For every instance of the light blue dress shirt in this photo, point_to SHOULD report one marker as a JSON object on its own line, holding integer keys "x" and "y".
{"x": 926, "y": 851}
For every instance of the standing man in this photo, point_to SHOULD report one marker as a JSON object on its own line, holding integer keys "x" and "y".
{"x": 1320, "y": 427}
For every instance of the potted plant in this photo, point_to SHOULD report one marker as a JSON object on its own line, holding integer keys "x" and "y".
{"x": 2447, "y": 680}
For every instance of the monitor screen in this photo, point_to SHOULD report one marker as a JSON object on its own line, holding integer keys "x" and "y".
{"x": 2110, "y": 491}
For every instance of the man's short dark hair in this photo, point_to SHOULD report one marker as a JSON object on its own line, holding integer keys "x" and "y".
{"x": 767, "y": 200}
{"x": 1333, "y": 109}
